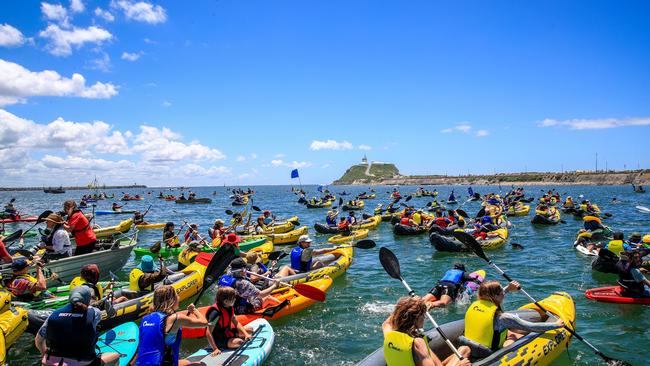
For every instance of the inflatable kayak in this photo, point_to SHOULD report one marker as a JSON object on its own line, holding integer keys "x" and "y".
{"x": 19, "y": 219}
{"x": 166, "y": 251}
{"x": 194, "y": 201}
{"x": 532, "y": 349}
{"x": 120, "y": 228}
{"x": 522, "y": 210}
{"x": 324, "y": 229}
{"x": 446, "y": 243}
{"x": 270, "y": 309}
{"x": 252, "y": 353}
{"x": 335, "y": 264}
{"x": 279, "y": 227}
{"x": 541, "y": 219}
{"x": 111, "y": 212}
{"x": 319, "y": 204}
{"x": 400, "y": 229}
{"x": 358, "y": 205}
{"x": 290, "y": 237}
{"x": 61, "y": 295}
{"x": 354, "y": 235}
{"x": 614, "y": 294}
{"x": 159, "y": 225}
{"x": 123, "y": 339}
{"x": 13, "y": 322}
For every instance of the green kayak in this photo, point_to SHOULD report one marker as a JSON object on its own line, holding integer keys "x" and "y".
{"x": 29, "y": 234}
{"x": 167, "y": 252}
{"x": 61, "y": 294}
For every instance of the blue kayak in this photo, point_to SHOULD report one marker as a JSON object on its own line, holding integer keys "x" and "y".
{"x": 251, "y": 353}
{"x": 123, "y": 339}
{"x": 106, "y": 212}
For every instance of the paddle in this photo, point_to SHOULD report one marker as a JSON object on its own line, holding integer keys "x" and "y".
{"x": 301, "y": 288}
{"x": 361, "y": 244}
{"x": 391, "y": 265}
{"x": 11, "y": 238}
{"x": 218, "y": 264}
{"x": 471, "y": 243}
{"x": 462, "y": 213}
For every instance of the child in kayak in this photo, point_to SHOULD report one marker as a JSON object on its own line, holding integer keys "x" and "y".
{"x": 224, "y": 330}
{"x": 403, "y": 342}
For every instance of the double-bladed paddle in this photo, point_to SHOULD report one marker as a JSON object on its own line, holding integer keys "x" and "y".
{"x": 471, "y": 243}
{"x": 301, "y": 288}
{"x": 361, "y": 244}
{"x": 217, "y": 266}
{"x": 391, "y": 265}
{"x": 19, "y": 233}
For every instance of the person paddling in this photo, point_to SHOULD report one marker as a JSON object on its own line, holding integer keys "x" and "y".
{"x": 447, "y": 289}
{"x": 302, "y": 255}
{"x": 116, "y": 207}
{"x": 169, "y": 236}
{"x": 56, "y": 242}
{"x": 404, "y": 344}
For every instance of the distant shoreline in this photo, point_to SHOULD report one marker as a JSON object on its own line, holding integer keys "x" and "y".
{"x": 71, "y": 188}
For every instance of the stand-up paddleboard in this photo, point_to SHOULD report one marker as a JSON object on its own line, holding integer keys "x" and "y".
{"x": 583, "y": 249}
{"x": 123, "y": 339}
{"x": 251, "y": 353}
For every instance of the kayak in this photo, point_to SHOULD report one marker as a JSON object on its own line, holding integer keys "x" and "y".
{"x": 123, "y": 339}
{"x": 495, "y": 239}
{"x": 187, "y": 283}
{"x": 290, "y": 237}
{"x": 132, "y": 199}
{"x": 319, "y": 205}
{"x": 336, "y": 263}
{"x": 532, "y": 349}
{"x": 166, "y": 251}
{"x": 580, "y": 247}
{"x": 111, "y": 212}
{"x": 19, "y": 219}
{"x": 522, "y": 210}
{"x": 13, "y": 322}
{"x": 279, "y": 227}
{"x": 357, "y": 206}
{"x": 324, "y": 229}
{"x": 370, "y": 223}
{"x": 159, "y": 225}
{"x": 400, "y": 229}
{"x": 194, "y": 201}
{"x": 542, "y": 219}
{"x": 446, "y": 243}
{"x": 252, "y": 353}
{"x": 355, "y": 235}
{"x": 61, "y": 295}
{"x": 270, "y": 309}
{"x": 614, "y": 294}
{"x": 120, "y": 228}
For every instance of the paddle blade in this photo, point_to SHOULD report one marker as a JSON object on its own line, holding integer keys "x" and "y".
{"x": 340, "y": 201}
{"x": 390, "y": 263}
{"x": 471, "y": 243}
{"x": 481, "y": 212}
{"x": 310, "y": 292}
{"x": 295, "y": 222}
{"x": 25, "y": 253}
{"x": 256, "y": 208}
{"x": 155, "y": 248}
{"x": 43, "y": 216}
{"x": 462, "y": 213}
{"x": 229, "y": 212}
{"x": 274, "y": 256}
{"x": 408, "y": 198}
{"x": 13, "y": 237}
{"x": 365, "y": 244}
{"x": 218, "y": 264}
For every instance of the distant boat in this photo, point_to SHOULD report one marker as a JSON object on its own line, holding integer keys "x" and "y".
{"x": 54, "y": 190}
{"x": 638, "y": 189}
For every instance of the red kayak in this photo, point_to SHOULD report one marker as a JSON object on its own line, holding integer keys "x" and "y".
{"x": 19, "y": 219}
{"x": 613, "y": 294}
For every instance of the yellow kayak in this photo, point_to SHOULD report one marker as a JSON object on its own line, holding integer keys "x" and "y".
{"x": 13, "y": 322}
{"x": 158, "y": 225}
{"x": 336, "y": 263}
{"x": 370, "y": 225}
{"x": 521, "y": 210}
{"x": 495, "y": 239}
{"x": 120, "y": 228}
{"x": 355, "y": 235}
{"x": 290, "y": 237}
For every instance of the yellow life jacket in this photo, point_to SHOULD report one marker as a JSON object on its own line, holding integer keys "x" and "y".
{"x": 32, "y": 280}
{"x": 186, "y": 257}
{"x": 616, "y": 247}
{"x": 78, "y": 281}
{"x": 417, "y": 218}
{"x": 583, "y": 207}
{"x": 479, "y": 325}
{"x": 592, "y": 218}
{"x": 398, "y": 349}
{"x": 134, "y": 278}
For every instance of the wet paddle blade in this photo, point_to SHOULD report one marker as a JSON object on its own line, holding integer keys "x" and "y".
{"x": 365, "y": 244}
{"x": 274, "y": 256}
{"x": 217, "y": 266}
{"x": 481, "y": 212}
{"x": 256, "y": 208}
{"x": 408, "y": 198}
{"x": 310, "y": 292}
{"x": 390, "y": 263}
{"x": 43, "y": 216}
{"x": 295, "y": 222}
{"x": 462, "y": 213}
{"x": 471, "y": 243}
{"x": 13, "y": 237}
{"x": 25, "y": 253}
{"x": 155, "y": 248}
{"x": 229, "y": 212}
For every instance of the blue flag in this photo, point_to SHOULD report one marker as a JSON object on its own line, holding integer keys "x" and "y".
{"x": 320, "y": 188}
{"x": 470, "y": 191}
{"x": 294, "y": 173}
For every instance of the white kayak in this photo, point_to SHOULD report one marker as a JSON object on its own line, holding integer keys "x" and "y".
{"x": 251, "y": 353}
{"x": 643, "y": 209}
{"x": 583, "y": 249}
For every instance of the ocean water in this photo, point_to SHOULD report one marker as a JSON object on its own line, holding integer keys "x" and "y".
{"x": 346, "y": 328}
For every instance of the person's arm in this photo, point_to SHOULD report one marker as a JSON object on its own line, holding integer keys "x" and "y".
{"x": 39, "y": 340}
{"x": 213, "y": 319}
{"x": 266, "y": 292}
{"x": 422, "y": 355}
{"x": 41, "y": 284}
{"x": 512, "y": 321}
{"x": 191, "y": 318}
{"x": 241, "y": 328}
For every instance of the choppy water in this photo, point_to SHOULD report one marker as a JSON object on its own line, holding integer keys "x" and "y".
{"x": 347, "y": 327}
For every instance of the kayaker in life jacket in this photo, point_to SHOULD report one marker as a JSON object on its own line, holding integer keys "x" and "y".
{"x": 448, "y": 287}
{"x": 635, "y": 240}
{"x": 69, "y": 335}
{"x": 630, "y": 277}
{"x": 116, "y": 207}
{"x": 146, "y": 274}
{"x": 11, "y": 211}
{"x": 344, "y": 226}
{"x": 161, "y": 331}
{"x": 192, "y": 234}
{"x": 352, "y": 219}
{"x": 225, "y": 331}
{"x": 56, "y": 242}
{"x": 169, "y": 236}
{"x": 568, "y": 203}
{"x": 79, "y": 226}
{"x": 217, "y": 230}
{"x": 89, "y": 277}
{"x": 617, "y": 245}
{"x": 138, "y": 219}
{"x": 417, "y": 218}
{"x": 302, "y": 255}
{"x": 25, "y": 287}
{"x": 260, "y": 227}
{"x": 406, "y": 220}
{"x": 404, "y": 345}
{"x": 330, "y": 219}
{"x": 592, "y": 223}
{"x": 249, "y": 297}
{"x": 188, "y": 255}
{"x": 440, "y": 220}
{"x": 488, "y": 328}
{"x": 233, "y": 240}
{"x": 268, "y": 217}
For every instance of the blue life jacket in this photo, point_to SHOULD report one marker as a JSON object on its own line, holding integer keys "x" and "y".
{"x": 331, "y": 220}
{"x": 486, "y": 220}
{"x": 263, "y": 267}
{"x": 71, "y": 334}
{"x": 453, "y": 275}
{"x": 230, "y": 281}
{"x": 268, "y": 220}
{"x": 153, "y": 351}
{"x": 296, "y": 263}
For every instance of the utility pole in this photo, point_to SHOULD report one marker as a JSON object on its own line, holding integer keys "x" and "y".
{"x": 596, "y": 162}
{"x": 562, "y": 168}
{"x": 605, "y": 166}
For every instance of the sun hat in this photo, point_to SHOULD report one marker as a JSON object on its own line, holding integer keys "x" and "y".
{"x": 147, "y": 264}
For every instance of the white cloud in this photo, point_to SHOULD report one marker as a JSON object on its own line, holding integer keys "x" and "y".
{"x": 326, "y": 165}
{"x": 77, "y": 6}
{"x": 163, "y": 145}
{"x": 166, "y": 104}
{"x": 55, "y": 12}
{"x": 365, "y": 147}
{"x": 240, "y": 158}
{"x": 10, "y": 36}
{"x": 294, "y": 164}
{"x": 280, "y": 155}
{"x": 447, "y": 130}
{"x": 482, "y": 133}
{"x": 595, "y": 124}
{"x": 131, "y": 56}
{"x": 463, "y": 127}
{"x": 104, "y": 14}
{"x": 149, "y": 41}
{"x": 141, "y": 11}
{"x": 253, "y": 156}
{"x": 277, "y": 162}
{"x": 330, "y": 145}
{"x": 61, "y": 41}
{"x": 102, "y": 63}
{"x": 85, "y": 164}
{"x": 213, "y": 171}
{"x": 17, "y": 83}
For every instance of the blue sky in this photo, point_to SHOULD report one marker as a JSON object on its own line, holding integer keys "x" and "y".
{"x": 239, "y": 92}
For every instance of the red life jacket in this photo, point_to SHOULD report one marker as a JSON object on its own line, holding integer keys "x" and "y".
{"x": 223, "y": 329}
{"x": 343, "y": 225}
{"x": 405, "y": 221}
{"x": 451, "y": 218}
{"x": 441, "y": 221}
{"x": 81, "y": 229}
